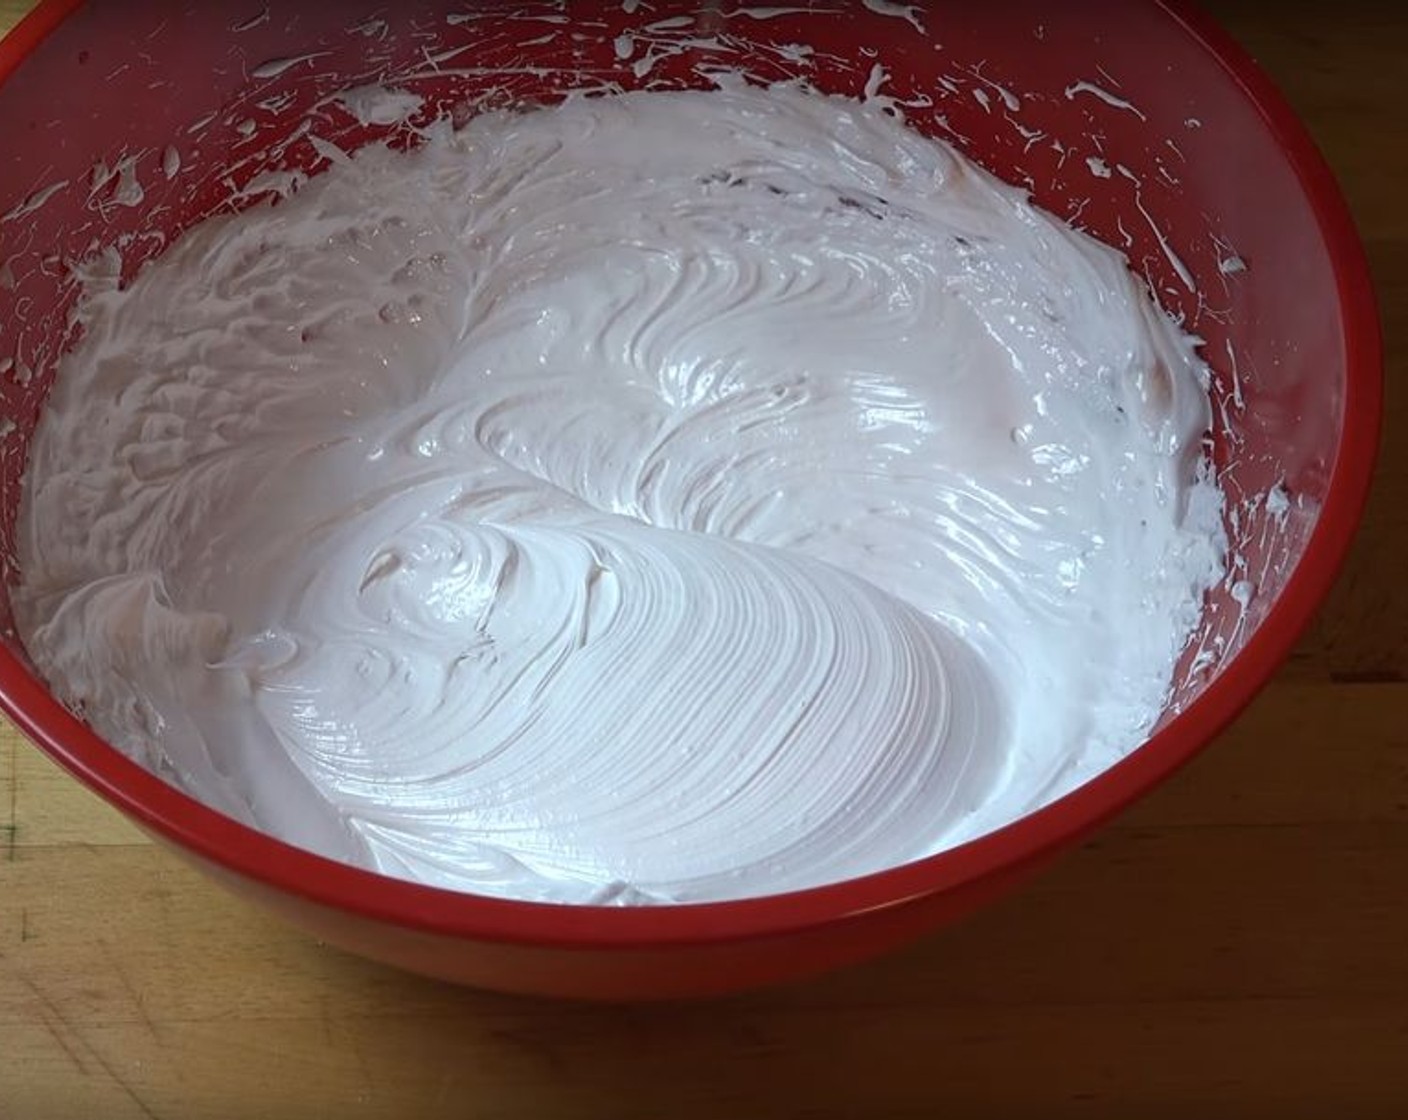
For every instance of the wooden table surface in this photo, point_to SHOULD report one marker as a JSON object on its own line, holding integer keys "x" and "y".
{"x": 1236, "y": 946}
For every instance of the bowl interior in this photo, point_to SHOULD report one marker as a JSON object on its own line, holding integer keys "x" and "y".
{"x": 131, "y": 122}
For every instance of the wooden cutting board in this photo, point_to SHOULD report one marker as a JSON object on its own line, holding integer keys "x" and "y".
{"x": 1237, "y": 946}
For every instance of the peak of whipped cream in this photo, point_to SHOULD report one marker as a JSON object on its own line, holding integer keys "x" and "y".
{"x": 661, "y": 497}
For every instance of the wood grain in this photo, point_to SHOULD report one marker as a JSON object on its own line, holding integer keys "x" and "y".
{"x": 1236, "y": 946}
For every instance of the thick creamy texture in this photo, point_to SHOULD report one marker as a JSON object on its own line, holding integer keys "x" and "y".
{"x": 659, "y": 497}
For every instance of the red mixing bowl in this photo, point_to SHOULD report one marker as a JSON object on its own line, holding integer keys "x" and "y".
{"x": 1204, "y": 177}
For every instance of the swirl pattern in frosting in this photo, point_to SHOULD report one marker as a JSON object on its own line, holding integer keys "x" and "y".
{"x": 653, "y": 498}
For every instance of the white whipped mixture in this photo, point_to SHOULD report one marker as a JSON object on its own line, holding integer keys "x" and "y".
{"x": 658, "y": 497}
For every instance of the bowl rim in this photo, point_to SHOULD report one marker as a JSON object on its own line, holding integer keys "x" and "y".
{"x": 276, "y": 866}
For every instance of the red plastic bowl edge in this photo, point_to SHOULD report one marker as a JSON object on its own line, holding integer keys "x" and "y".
{"x": 246, "y": 852}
